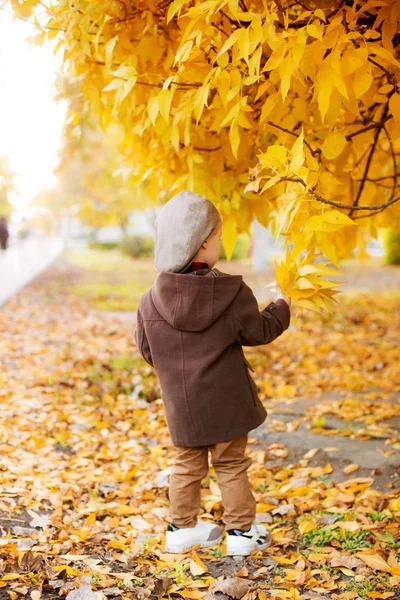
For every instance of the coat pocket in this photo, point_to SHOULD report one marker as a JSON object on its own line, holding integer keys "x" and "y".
{"x": 246, "y": 362}
{"x": 252, "y": 385}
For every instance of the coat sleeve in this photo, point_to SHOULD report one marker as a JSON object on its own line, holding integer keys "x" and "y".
{"x": 254, "y": 328}
{"x": 141, "y": 340}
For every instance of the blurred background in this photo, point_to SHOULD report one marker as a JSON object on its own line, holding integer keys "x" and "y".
{"x": 64, "y": 190}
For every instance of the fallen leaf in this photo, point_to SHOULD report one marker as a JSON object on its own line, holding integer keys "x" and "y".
{"x": 83, "y": 592}
{"x": 242, "y": 573}
{"x": 345, "y": 560}
{"x": 311, "y": 453}
{"x": 161, "y": 585}
{"x": 234, "y": 587}
{"x": 375, "y": 561}
{"x": 350, "y": 469}
{"x": 196, "y": 569}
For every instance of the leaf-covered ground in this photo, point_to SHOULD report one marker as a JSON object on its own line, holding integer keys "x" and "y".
{"x": 85, "y": 453}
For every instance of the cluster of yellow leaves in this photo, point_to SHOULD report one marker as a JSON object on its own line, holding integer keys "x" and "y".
{"x": 306, "y": 283}
{"x": 202, "y": 91}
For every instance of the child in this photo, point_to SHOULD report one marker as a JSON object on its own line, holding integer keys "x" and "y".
{"x": 191, "y": 326}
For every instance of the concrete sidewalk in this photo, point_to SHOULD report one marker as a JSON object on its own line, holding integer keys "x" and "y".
{"x": 22, "y": 262}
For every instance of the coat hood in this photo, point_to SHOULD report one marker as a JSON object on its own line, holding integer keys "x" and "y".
{"x": 193, "y": 302}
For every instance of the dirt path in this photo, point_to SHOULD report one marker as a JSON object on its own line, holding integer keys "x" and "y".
{"x": 24, "y": 261}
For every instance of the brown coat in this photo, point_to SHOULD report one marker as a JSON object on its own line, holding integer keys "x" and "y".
{"x": 191, "y": 328}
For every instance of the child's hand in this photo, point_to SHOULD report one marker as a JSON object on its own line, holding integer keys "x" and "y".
{"x": 281, "y": 296}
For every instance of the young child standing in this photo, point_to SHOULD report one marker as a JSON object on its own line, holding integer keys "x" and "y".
{"x": 191, "y": 326}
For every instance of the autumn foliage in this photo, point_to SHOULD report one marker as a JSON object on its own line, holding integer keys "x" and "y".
{"x": 287, "y": 111}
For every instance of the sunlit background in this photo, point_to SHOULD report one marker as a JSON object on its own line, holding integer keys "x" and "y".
{"x": 31, "y": 119}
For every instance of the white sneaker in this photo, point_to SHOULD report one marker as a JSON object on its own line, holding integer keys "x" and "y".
{"x": 242, "y": 543}
{"x": 182, "y": 539}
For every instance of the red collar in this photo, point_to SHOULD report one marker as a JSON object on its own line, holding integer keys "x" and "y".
{"x": 196, "y": 266}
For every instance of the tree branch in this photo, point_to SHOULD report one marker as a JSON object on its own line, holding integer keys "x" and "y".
{"x": 370, "y": 155}
{"x": 320, "y": 198}
{"x": 394, "y": 161}
{"x": 295, "y": 135}
{"x": 364, "y": 129}
{"x": 388, "y": 73}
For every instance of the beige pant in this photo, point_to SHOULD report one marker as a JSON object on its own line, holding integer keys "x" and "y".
{"x": 230, "y": 465}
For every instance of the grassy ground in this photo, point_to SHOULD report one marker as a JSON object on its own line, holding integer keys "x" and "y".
{"x": 109, "y": 281}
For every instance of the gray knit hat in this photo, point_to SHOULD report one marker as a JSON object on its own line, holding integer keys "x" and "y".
{"x": 182, "y": 225}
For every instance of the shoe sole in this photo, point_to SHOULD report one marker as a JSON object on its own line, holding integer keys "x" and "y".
{"x": 177, "y": 549}
{"x": 246, "y": 551}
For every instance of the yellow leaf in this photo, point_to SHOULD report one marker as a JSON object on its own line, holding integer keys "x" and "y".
{"x": 311, "y": 453}
{"x": 297, "y": 153}
{"x": 114, "y": 85}
{"x": 234, "y": 139}
{"x": 191, "y": 594}
{"x": 223, "y": 86}
{"x": 272, "y": 181}
{"x": 394, "y": 504}
{"x": 353, "y": 59}
{"x": 392, "y": 561}
{"x": 109, "y": 50}
{"x": 319, "y": 13}
{"x": 275, "y": 156}
{"x": 91, "y": 520}
{"x": 315, "y": 30}
{"x": 264, "y": 507}
{"x": 347, "y": 572}
{"x": 69, "y": 570}
{"x": 198, "y": 560}
{"x": 164, "y": 104}
{"x": 324, "y": 96}
{"x": 37, "y": 39}
{"x": 375, "y": 561}
{"x": 174, "y": 8}
{"x": 152, "y": 109}
{"x": 362, "y": 81}
{"x": 304, "y": 284}
{"x": 306, "y": 526}
{"x": 233, "y": 38}
{"x": 333, "y": 145}
{"x": 229, "y": 236}
{"x": 286, "y": 69}
{"x": 350, "y": 469}
{"x": 118, "y": 544}
{"x": 394, "y": 106}
{"x": 196, "y": 569}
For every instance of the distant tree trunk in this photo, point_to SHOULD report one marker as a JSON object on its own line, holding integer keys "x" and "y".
{"x": 392, "y": 247}
{"x": 3, "y": 233}
{"x": 124, "y": 227}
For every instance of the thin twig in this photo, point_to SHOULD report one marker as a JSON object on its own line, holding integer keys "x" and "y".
{"x": 295, "y": 135}
{"x": 388, "y": 73}
{"x": 364, "y": 129}
{"x": 394, "y": 161}
{"x": 339, "y": 204}
{"x": 370, "y": 156}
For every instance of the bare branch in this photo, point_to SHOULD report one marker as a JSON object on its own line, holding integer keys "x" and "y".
{"x": 320, "y": 198}
{"x": 295, "y": 135}
{"x": 388, "y": 73}
{"x": 364, "y": 129}
{"x": 370, "y": 156}
{"x": 394, "y": 161}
